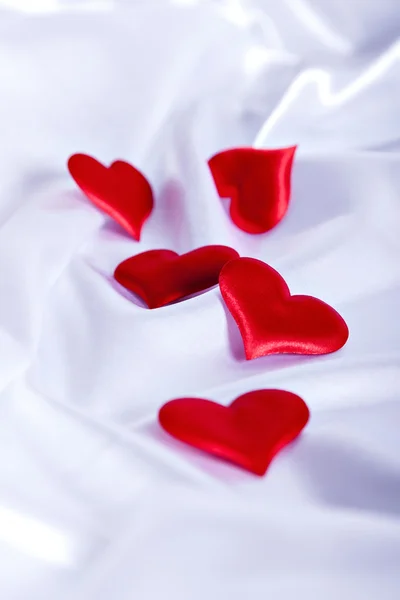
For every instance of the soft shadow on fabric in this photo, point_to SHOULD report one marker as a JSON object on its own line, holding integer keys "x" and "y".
{"x": 344, "y": 475}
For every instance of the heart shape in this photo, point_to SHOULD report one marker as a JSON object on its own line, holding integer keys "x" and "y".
{"x": 119, "y": 190}
{"x": 162, "y": 276}
{"x": 270, "y": 320}
{"x": 249, "y": 432}
{"x": 258, "y": 183}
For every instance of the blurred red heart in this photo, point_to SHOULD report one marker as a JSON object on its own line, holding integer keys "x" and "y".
{"x": 162, "y": 276}
{"x": 249, "y": 432}
{"x": 120, "y": 190}
{"x": 258, "y": 184}
{"x": 270, "y": 320}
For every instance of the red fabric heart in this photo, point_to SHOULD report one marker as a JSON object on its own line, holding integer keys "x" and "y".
{"x": 162, "y": 276}
{"x": 120, "y": 190}
{"x": 258, "y": 183}
{"x": 249, "y": 432}
{"x": 270, "y": 320}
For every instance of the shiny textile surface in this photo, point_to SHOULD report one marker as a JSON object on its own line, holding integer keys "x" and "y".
{"x": 96, "y": 500}
{"x": 271, "y": 320}
{"x": 160, "y": 277}
{"x": 258, "y": 184}
{"x": 120, "y": 190}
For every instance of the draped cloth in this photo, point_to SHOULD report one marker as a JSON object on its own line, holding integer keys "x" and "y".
{"x": 96, "y": 501}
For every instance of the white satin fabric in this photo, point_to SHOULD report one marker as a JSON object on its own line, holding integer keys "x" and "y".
{"x": 96, "y": 502}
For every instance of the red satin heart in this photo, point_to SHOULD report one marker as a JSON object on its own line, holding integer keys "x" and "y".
{"x": 120, "y": 190}
{"x": 249, "y": 432}
{"x": 162, "y": 276}
{"x": 258, "y": 183}
{"x": 270, "y": 320}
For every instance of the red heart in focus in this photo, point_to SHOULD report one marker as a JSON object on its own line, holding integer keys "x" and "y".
{"x": 162, "y": 276}
{"x": 120, "y": 190}
{"x": 249, "y": 432}
{"x": 258, "y": 183}
{"x": 270, "y": 320}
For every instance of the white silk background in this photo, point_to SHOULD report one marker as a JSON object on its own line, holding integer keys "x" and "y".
{"x": 95, "y": 500}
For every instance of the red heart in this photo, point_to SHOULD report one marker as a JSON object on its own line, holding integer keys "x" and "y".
{"x": 258, "y": 183}
{"x": 120, "y": 190}
{"x": 249, "y": 432}
{"x": 162, "y": 276}
{"x": 270, "y": 320}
